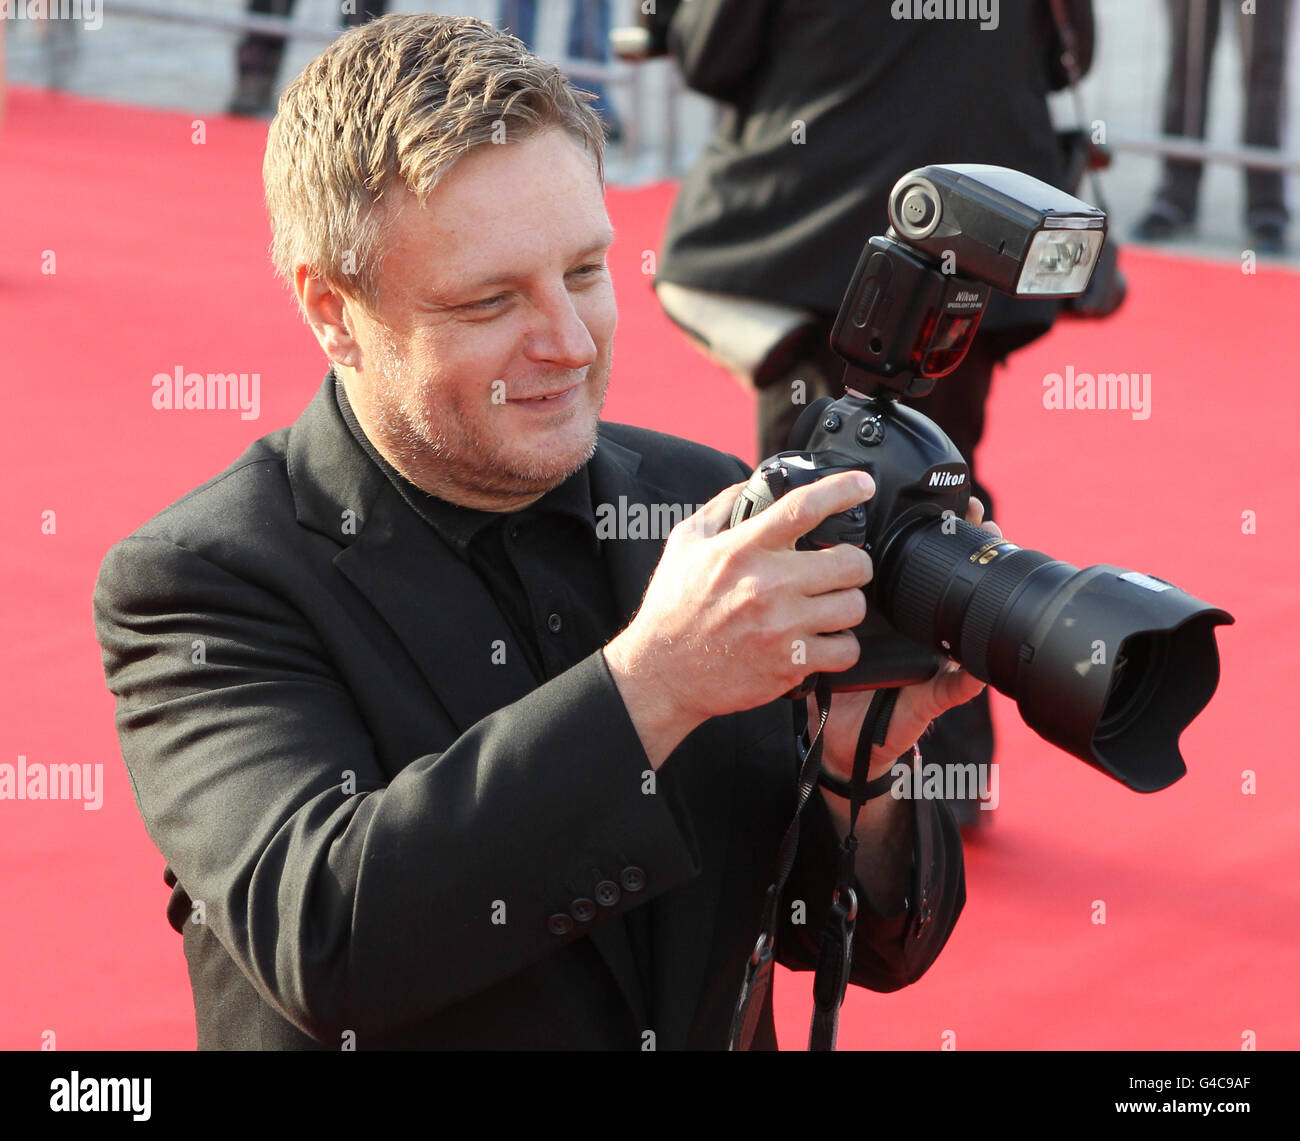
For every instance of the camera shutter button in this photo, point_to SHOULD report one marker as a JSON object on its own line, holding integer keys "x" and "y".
{"x": 870, "y": 431}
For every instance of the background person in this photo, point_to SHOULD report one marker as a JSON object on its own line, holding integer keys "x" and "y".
{"x": 258, "y": 57}
{"x": 1263, "y": 32}
{"x": 587, "y": 39}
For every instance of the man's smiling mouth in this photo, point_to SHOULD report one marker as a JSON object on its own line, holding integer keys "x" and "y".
{"x": 544, "y": 396}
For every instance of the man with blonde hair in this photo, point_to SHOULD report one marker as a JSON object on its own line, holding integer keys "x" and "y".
{"x": 454, "y": 771}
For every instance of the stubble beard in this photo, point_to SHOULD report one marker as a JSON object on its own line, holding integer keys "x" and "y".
{"x": 436, "y": 447}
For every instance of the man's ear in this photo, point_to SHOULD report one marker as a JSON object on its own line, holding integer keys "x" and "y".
{"x": 331, "y": 315}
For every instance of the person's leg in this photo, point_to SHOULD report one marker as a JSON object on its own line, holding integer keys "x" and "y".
{"x": 957, "y": 405}
{"x": 258, "y": 61}
{"x": 1264, "y": 43}
{"x": 589, "y": 25}
{"x": 815, "y": 372}
{"x": 519, "y": 18}
{"x": 964, "y": 735}
{"x": 1193, "y": 32}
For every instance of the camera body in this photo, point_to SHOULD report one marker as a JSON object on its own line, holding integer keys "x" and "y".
{"x": 921, "y": 478}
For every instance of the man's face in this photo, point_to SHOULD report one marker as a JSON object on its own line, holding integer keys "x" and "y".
{"x": 484, "y": 364}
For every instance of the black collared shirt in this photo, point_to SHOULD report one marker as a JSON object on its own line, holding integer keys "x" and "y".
{"x": 543, "y": 565}
{"x": 545, "y": 570}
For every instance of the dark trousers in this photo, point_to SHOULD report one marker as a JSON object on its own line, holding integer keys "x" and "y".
{"x": 963, "y": 735}
{"x": 587, "y": 38}
{"x": 1194, "y": 31}
{"x": 261, "y": 55}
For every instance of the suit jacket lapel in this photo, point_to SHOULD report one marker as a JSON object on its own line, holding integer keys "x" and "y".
{"x": 443, "y": 614}
{"x": 434, "y": 603}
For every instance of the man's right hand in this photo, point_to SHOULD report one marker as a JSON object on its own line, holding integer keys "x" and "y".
{"x": 734, "y": 618}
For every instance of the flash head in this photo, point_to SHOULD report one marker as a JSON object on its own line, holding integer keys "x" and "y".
{"x": 999, "y": 226}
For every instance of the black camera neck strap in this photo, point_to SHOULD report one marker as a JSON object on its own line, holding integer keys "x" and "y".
{"x": 835, "y": 963}
{"x": 836, "y": 956}
{"x": 758, "y": 971}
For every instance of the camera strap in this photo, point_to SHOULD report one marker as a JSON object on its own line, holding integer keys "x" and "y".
{"x": 835, "y": 963}
{"x": 835, "y": 960}
{"x": 758, "y": 971}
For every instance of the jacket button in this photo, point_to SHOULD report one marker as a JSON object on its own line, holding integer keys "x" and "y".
{"x": 607, "y": 893}
{"x": 583, "y": 910}
{"x": 559, "y": 924}
{"x": 633, "y": 879}
{"x": 553, "y": 623}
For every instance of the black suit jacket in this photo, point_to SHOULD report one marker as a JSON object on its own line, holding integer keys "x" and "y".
{"x": 380, "y": 821}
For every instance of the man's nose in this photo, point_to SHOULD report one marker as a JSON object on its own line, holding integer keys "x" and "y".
{"x": 560, "y": 336}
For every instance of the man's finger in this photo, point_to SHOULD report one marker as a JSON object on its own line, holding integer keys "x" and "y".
{"x": 975, "y": 516}
{"x": 836, "y": 568}
{"x": 795, "y": 514}
{"x": 948, "y": 688}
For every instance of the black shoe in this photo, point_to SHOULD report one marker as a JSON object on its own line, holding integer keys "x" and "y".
{"x": 253, "y": 95}
{"x": 1161, "y": 224}
{"x": 1268, "y": 238}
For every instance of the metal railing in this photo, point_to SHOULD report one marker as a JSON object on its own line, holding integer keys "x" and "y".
{"x": 51, "y": 56}
{"x": 664, "y": 123}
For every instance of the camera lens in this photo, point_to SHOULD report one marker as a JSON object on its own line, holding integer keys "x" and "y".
{"x": 1139, "y": 669}
{"x": 1107, "y": 664}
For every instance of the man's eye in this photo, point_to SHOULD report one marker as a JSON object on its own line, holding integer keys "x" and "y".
{"x": 498, "y": 301}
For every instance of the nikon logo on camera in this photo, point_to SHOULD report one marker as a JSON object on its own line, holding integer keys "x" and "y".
{"x": 985, "y": 11}
{"x": 946, "y": 479}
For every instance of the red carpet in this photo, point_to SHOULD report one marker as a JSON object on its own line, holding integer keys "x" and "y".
{"x": 157, "y": 244}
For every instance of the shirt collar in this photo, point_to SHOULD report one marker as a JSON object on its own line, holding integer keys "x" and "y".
{"x": 459, "y": 525}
